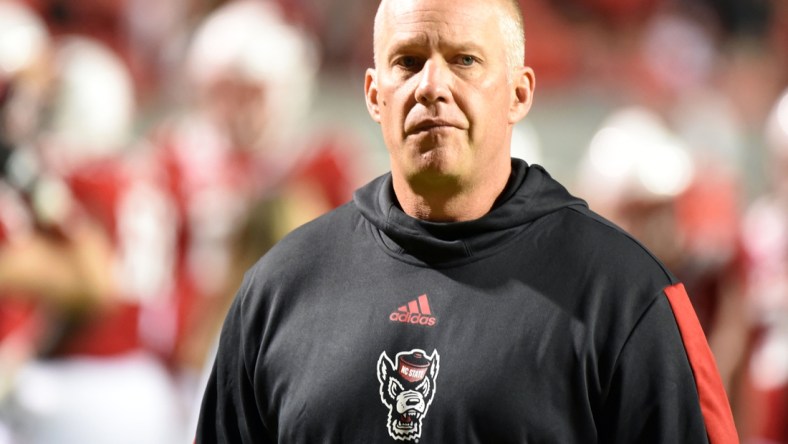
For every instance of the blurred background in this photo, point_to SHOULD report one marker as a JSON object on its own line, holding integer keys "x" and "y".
{"x": 151, "y": 151}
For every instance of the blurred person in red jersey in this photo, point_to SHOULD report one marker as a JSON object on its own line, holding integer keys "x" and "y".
{"x": 241, "y": 137}
{"x": 24, "y": 46}
{"x": 766, "y": 243}
{"x": 683, "y": 205}
{"x": 95, "y": 222}
{"x": 684, "y": 64}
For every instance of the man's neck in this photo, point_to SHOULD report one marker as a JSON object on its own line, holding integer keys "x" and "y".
{"x": 449, "y": 200}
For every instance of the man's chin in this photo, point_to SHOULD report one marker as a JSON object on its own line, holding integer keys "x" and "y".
{"x": 436, "y": 139}
{"x": 434, "y": 177}
{"x": 431, "y": 168}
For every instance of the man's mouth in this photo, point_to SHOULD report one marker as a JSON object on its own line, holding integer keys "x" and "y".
{"x": 431, "y": 124}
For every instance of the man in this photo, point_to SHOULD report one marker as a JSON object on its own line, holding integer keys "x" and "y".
{"x": 464, "y": 297}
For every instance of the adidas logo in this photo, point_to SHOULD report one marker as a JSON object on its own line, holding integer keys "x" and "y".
{"x": 417, "y": 312}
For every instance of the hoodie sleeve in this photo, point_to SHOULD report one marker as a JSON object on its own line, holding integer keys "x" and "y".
{"x": 665, "y": 387}
{"x": 229, "y": 412}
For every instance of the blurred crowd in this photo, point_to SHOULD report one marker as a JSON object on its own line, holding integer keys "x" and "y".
{"x": 151, "y": 151}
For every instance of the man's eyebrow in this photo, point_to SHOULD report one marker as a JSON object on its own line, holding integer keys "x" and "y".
{"x": 419, "y": 41}
{"x": 410, "y": 42}
{"x": 467, "y": 45}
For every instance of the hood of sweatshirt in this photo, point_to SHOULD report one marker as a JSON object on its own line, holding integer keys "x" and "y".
{"x": 529, "y": 195}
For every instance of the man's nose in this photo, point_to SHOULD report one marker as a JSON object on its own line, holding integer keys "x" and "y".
{"x": 434, "y": 83}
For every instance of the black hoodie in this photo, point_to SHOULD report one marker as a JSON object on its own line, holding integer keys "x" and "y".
{"x": 538, "y": 323}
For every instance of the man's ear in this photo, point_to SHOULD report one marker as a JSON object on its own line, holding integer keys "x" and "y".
{"x": 371, "y": 94}
{"x": 523, "y": 83}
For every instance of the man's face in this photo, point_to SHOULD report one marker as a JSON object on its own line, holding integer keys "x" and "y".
{"x": 442, "y": 90}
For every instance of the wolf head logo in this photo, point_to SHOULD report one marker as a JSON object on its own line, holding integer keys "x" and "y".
{"x": 407, "y": 386}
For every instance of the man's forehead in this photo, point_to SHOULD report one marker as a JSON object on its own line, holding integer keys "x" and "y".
{"x": 405, "y": 11}
{"x": 409, "y": 19}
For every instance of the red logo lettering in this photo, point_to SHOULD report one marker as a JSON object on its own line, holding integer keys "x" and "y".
{"x": 414, "y": 319}
{"x": 415, "y": 312}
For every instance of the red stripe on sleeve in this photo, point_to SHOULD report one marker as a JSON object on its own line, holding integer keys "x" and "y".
{"x": 713, "y": 401}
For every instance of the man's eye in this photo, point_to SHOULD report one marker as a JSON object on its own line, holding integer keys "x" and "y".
{"x": 467, "y": 60}
{"x": 408, "y": 62}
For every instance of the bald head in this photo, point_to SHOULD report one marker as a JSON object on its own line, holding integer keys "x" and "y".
{"x": 510, "y": 21}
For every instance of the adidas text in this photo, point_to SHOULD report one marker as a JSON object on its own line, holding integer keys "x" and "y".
{"x": 413, "y": 318}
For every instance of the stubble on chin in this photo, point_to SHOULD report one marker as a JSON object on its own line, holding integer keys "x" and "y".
{"x": 435, "y": 170}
